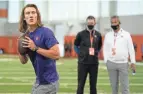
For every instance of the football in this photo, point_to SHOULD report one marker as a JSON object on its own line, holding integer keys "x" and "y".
{"x": 21, "y": 49}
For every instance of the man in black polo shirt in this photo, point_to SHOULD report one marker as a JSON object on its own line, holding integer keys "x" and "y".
{"x": 88, "y": 43}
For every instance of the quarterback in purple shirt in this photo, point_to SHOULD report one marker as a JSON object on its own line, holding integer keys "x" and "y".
{"x": 44, "y": 51}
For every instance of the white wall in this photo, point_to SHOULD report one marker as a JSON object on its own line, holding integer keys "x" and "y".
{"x": 75, "y": 9}
{"x": 13, "y": 11}
{"x": 132, "y": 24}
{"x": 72, "y": 9}
{"x": 60, "y": 32}
{"x": 130, "y": 7}
{"x": 43, "y": 7}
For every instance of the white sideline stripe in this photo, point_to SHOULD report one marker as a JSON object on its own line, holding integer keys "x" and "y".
{"x": 22, "y": 80}
{"x": 60, "y": 73}
{"x": 30, "y": 69}
{"x": 11, "y": 59}
{"x": 16, "y": 59}
{"x": 31, "y": 72}
{"x": 65, "y": 84}
{"x": 7, "y": 59}
{"x": 32, "y": 81}
{"x": 14, "y": 93}
{"x": 61, "y": 78}
{"x": 17, "y": 69}
{"x": 57, "y": 93}
{"x": 60, "y": 93}
{"x": 17, "y": 72}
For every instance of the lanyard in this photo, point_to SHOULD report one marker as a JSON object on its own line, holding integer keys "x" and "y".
{"x": 115, "y": 36}
{"x": 91, "y": 38}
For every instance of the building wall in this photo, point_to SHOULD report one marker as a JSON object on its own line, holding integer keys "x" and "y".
{"x": 68, "y": 24}
{"x": 3, "y": 15}
{"x": 132, "y": 24}
{"x": 3, "y": 9}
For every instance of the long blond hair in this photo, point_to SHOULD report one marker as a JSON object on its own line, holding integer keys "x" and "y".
{"x": 22, "y": 23}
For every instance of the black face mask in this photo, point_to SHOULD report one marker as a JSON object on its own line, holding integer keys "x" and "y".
{"x": 90, "y": 27}
{"x": 114, "y": 27}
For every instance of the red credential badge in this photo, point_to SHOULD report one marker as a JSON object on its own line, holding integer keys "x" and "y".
{"x": 91, "y": 51}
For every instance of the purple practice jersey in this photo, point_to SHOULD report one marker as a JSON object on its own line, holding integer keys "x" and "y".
{"x": 45, "y": 68}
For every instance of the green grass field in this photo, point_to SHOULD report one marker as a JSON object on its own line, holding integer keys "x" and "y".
{"x": 16, "y": 78}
